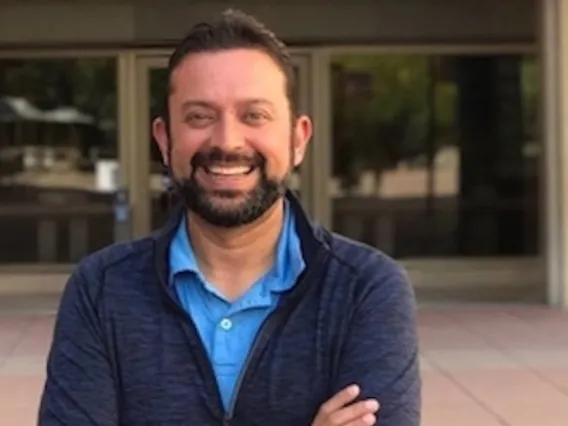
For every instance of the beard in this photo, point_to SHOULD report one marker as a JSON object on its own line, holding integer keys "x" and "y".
{"x": 229, "y": 208}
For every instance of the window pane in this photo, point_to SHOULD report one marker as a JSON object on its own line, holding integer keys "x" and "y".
{"x": 57, "y": 127}
{"x": 436, "y": 155}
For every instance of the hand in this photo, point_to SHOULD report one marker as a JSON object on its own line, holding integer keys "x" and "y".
{"x": 340, "y": 411}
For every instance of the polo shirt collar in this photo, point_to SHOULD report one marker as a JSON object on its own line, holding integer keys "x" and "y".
{"x": 289, "y": 259}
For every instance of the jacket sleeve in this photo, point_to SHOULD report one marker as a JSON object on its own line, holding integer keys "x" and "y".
{"x": 79, "y": 388}
{"x": 380, "y": 353}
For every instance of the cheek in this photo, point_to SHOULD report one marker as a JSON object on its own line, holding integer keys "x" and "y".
{"x": 184, "y": 147}
{"x": 277, "y": 154}
{"x": 180, "y": 162}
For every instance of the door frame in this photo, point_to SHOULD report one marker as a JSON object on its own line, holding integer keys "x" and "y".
{"x": 137, "y": 159}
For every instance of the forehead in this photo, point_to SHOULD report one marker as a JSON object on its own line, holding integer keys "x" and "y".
{"x": 227, "y": 76}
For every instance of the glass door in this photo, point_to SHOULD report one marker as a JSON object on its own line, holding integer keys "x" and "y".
{"x": 436, "y": 161}
{"x": 58, "y": 144}
{"x": 148, "y": 183}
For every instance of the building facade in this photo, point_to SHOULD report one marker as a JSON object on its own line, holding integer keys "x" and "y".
{"x": 441, "y": 133}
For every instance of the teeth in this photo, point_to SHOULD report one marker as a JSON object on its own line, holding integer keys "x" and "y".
{"x": 229, "y": 171}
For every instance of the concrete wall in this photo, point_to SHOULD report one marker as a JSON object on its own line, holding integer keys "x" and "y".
{"x": 37, "y": 22}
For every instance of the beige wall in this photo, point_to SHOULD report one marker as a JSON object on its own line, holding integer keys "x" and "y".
{"x": 387, "y": 21}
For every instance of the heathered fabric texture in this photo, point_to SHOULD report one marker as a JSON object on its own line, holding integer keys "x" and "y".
{"x": 126, "y": 353}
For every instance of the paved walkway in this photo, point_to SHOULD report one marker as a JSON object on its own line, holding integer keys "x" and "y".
{"x": 482, "y": 366}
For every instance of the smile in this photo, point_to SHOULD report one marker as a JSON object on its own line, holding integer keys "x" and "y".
{"x": 228, "y": 170}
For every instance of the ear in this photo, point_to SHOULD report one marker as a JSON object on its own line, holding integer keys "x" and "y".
{"x": 302, "y": 135}
{"x": 160, "y": 133}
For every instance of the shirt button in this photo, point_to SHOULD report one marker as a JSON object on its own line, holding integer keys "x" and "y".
{"x": 226, "y": 324}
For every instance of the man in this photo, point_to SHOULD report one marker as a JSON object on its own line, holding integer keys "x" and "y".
{"x": 240, "y": 311}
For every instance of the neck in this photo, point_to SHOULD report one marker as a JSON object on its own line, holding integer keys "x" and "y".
{"x": 232, "y": 257}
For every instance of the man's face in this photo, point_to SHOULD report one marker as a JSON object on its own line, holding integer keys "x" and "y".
{"x": 233, "y": 140}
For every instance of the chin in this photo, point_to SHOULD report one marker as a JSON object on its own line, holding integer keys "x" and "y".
{"x": 222, "y": 198}
{"x": 228, "y": 196}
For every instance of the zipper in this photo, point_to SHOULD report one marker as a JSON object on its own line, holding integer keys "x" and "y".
{"x": 271, "y": 320}
{"x": 240, "y": 378}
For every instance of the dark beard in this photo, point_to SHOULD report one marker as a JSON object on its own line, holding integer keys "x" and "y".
{"x": 255, "y": 203}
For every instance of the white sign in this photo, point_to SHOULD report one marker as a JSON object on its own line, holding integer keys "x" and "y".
{"x": 106, "y": 175}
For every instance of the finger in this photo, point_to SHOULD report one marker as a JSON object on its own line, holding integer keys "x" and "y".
{"x": 340, "y": 399}
{"x": 366, "y": 420}
{"x": 355, "y": 412}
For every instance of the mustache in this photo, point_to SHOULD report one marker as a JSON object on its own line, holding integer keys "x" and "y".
{"x": 216, "y": 156}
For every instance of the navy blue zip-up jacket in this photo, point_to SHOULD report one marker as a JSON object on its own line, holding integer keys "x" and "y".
{"x": 125, "y": 352}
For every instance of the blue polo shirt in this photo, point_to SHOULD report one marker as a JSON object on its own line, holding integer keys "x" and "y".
{"x": 228, "y": 329}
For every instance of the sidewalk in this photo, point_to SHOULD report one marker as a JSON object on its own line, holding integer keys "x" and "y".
{"x": 495, "y": 366}
{"x": 482, "y": 366}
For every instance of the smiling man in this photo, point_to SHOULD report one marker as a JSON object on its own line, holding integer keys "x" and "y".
{"x": 239, "y": 311}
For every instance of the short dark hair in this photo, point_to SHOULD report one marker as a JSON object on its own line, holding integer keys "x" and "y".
{"x": 234, "y": 29}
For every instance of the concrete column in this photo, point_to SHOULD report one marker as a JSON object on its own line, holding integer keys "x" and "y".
{"x": 553, "y": 31}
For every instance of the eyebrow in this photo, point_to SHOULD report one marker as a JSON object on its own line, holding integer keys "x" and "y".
{"x": 206, "y": 104}
{"x": 196, "y": 103}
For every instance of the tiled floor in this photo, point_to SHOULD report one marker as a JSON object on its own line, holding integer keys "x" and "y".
{"x": 482, "y": 366}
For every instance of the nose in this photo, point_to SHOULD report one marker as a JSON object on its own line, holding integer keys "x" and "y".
{"x": 228, "y": 134}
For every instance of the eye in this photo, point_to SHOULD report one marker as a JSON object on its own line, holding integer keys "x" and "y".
{"x": 199, "y": 118}
{"x": 255, "y": 118}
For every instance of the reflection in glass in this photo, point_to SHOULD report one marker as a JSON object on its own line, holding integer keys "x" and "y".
{"x": 436, "y": 155}
{"x": 57, "y": 128}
